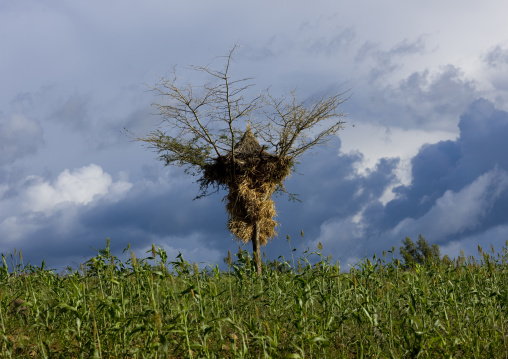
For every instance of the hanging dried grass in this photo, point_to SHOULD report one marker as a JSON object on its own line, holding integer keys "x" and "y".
{"x": 252, "y": 176}
{"x": 248, "y": 204}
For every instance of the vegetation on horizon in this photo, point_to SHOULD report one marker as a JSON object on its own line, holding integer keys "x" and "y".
{"x": 155, "y": 308}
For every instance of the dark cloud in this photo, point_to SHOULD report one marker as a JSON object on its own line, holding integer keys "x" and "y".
{"x": 19, "y": 137}
{"x": 370, "y": 50}
{"x": 425, "y": 100}
{"x": 464, "y": 179}
{"x": 74, "y": 78}
{"x": 92, "y": 117}
{"x": 448, "y": 92}
{"x": 459, "y": 192}
{"x": 386, "y": 61}
{"x": 331, "y": 187}
{"x": 22, "y": 102}
{"x": 496, "y": 61}
{"x": 458, "y": 196}
{"x": 430, "y": 168}
{"x": 74, "y": 112}
{"x": 269, "y": 49}
{"x": 150, "y": 212}
{"x": 111, "y": 134}
{"x": 160, "y": 209}
{"x": 331, "y": 43}
{"x": 496, "y": 57}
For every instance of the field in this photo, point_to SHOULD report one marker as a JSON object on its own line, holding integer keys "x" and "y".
{"x": 155, "y": 308}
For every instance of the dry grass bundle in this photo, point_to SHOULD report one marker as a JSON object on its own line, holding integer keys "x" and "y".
{"x": 252, "y": 175}
{"x": 248, "y": 204}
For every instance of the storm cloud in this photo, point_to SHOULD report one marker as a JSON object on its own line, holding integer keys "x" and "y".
{"x": 459, "y": 190}
{"x": 423, "y": 150}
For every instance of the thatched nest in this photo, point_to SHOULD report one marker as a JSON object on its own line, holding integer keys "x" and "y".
{"x": 252, "y": 175}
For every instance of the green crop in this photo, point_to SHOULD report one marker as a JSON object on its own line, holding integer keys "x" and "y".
{"x": 155, "y": 308}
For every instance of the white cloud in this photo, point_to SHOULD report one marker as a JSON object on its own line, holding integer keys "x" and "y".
{"x": 39, "y": 201}
{"x": 80, "y": 186}
{"x": 456, "y": 212}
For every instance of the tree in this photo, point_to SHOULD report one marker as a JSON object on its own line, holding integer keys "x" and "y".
{"x": 420, "y": 252}
{"x": 203, "y": 130}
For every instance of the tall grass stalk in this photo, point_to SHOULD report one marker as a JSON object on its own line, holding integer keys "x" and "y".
{"x": 152, "y": 308}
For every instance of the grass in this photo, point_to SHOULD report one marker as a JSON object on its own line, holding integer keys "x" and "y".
{"x": 152, "y": 308}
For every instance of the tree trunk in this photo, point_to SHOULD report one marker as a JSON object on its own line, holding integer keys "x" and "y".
{"x": 256, "y": 248}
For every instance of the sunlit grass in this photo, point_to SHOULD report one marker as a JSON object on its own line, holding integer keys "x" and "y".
{"x": 155, "y": 308}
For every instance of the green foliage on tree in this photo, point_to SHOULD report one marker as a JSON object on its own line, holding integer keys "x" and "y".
{"x": 420, "y": 252}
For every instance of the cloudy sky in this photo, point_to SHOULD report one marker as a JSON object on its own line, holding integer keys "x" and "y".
{"x": 426, "y": 154}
